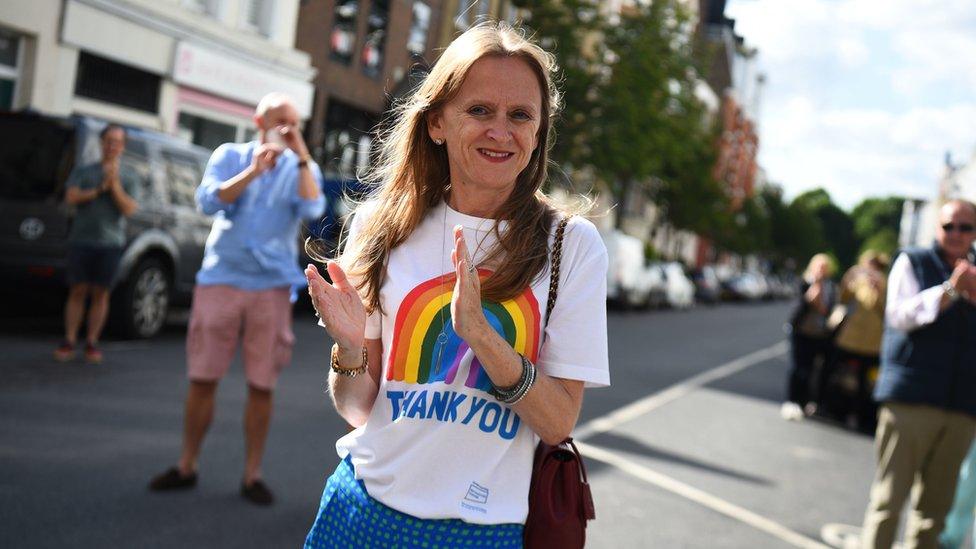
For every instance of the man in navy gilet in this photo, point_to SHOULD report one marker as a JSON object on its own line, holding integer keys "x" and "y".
{"x": 927, "y": 387}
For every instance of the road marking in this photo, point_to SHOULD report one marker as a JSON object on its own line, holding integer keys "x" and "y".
{"x": 651, "y": 402}
{"x": 700, "y": 497}
{"x": 654, "y": 401}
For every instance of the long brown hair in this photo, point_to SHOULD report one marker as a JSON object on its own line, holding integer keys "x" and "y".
{"x": 413, "y": 176}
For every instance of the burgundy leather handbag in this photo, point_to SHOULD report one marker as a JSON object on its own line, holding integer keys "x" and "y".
{"x": 560, "y": 501}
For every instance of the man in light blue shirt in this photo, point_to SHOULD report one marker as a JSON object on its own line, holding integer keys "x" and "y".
{"x": 259, "y": 193}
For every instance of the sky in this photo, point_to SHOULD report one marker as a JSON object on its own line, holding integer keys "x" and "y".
{"x": 862, "y": 97}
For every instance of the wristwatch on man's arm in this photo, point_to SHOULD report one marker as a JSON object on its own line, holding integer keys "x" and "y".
{"x": 950, "y": 291}
{"x": 304, "y": 160}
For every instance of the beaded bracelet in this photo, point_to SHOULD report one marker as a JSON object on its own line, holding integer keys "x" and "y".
{"x": 515, "y": 393}
{"x": 348, "y": 372}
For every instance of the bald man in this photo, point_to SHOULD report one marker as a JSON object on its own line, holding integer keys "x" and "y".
{"x": 927, "y": 387}
{"x": 258, "y": 193}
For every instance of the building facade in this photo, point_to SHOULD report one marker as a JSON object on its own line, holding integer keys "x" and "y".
{"x": 196, "y": 68}
{"x": 364, "y": 51}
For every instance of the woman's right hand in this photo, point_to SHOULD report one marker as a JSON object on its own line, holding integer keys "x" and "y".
{"x": 339, "y": 306}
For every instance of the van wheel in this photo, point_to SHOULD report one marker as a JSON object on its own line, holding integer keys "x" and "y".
{"x": 143, "y": 300}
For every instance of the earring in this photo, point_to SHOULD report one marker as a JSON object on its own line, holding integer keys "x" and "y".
{"x": 438, "y": 142}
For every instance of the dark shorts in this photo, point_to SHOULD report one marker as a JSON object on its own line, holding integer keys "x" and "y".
{"x": 96, "y": 265}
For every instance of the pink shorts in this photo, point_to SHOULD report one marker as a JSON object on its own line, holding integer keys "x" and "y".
{"x": 221, "y": 315}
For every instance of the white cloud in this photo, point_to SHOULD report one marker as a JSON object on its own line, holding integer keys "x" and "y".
{"x": 863, "y": 96}
{"x": 856, "y": 153}
{"x": 853, "y": 53}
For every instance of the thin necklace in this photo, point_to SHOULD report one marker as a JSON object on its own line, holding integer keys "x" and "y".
{"x": 442, "y": 337}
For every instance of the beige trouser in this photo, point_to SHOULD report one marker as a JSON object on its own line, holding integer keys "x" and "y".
{"x": 919, "y": 448}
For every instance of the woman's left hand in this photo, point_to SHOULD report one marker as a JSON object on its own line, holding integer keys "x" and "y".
{"x": 467, "y": 316}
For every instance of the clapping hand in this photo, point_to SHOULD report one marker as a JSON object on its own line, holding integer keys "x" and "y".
{"x": 110, "y": 168}
{"x": 963, "y": 279}
{"x": 338, "y": 305}
{"x": 467, "y": 317}
{"x": 293, "y": 139}
{"x": 265, "y": 157}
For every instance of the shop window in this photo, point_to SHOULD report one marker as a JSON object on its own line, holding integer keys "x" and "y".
{"x": 182, "y": 178}
{"x": 419, "y": 28}
{"x": 10, "y": 52}
{"x": 104, "y": 80}
{"x": 342, "y": 39}
{"x": 373, "y": 47}
{"x": 206, "y": 132}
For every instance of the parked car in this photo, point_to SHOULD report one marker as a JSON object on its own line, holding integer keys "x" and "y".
{"x": 628, "y": 285}
{"x": 680, "y": 289}
{"x": 655, "y": 280}
{"x": 708, "y": 288}
{"x": 746, "y": 287}
{"x": 325, "y": 233}
{"x": 165, "y": 237}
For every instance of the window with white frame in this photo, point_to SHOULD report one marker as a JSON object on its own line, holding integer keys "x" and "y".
{"x": 258, "y": 16}
{"x": 11, "y": 50}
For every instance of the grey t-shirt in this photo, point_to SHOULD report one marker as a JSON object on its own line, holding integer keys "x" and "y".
{"x": 99, "y": 222}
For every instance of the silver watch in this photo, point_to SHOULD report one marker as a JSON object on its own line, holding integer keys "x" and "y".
{"x": 950, "y": 290}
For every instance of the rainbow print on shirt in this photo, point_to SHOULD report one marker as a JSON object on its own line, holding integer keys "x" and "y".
{"x": 419, "y": 356}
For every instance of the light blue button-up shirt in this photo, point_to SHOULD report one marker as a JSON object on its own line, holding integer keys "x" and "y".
{"x": 253, "y": 244}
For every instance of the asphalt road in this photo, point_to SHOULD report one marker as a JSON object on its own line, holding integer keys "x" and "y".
{"x": 686, "y": 449}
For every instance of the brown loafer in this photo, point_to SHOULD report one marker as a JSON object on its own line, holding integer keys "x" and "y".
{"x": 257, "y": 493}
{"x": 172, "y": 479}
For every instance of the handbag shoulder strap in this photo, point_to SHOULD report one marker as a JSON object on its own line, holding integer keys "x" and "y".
{"x": 555, "y": 260}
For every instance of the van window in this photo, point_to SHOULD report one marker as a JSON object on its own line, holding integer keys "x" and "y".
{"x": 136, "y": 158}
{"x": 36, "y": 156}
{"x": 183, "y": 175}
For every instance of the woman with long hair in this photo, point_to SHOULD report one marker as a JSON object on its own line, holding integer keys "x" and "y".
{"x": 810, "y": 336}
{"x": 444, "y": 361}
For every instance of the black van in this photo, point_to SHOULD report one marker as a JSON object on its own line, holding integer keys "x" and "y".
{"x": 165, "y": 237}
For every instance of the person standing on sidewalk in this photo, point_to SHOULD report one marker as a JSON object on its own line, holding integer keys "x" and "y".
{"x": 102, "y": 195}
{"x": 809, "y": 336}
{"x": 927, "y": 387}
{"x": 259, "y": 193}
{"x": 858, "y": 341}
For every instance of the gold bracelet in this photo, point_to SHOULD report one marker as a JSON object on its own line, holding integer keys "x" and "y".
{"x": 348, "y": 372}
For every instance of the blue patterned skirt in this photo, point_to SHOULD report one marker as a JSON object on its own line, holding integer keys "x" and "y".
{"x": 349, "y": 517}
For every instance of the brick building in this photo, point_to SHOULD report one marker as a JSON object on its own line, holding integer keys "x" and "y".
{"x": 364, "y": 52}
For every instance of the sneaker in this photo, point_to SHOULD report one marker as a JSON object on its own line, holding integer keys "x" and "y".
{"x": 92, "y": 354}
{"x": 791, "y": 411}
{"x": 172, "y": 479}
{"x": 257, "y": 493}
{"x": 65, "y": 351}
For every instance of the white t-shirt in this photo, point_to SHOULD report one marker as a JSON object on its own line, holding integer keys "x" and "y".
{"x": 436, "y": 444}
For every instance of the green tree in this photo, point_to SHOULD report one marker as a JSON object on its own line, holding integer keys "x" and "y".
{"x": 567, "y": 29}
{"x": 650, "y": 138}
{"x": 796, "y": 232}
{"x": 877, "y": 222}
{"x": 838, "y": 228}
